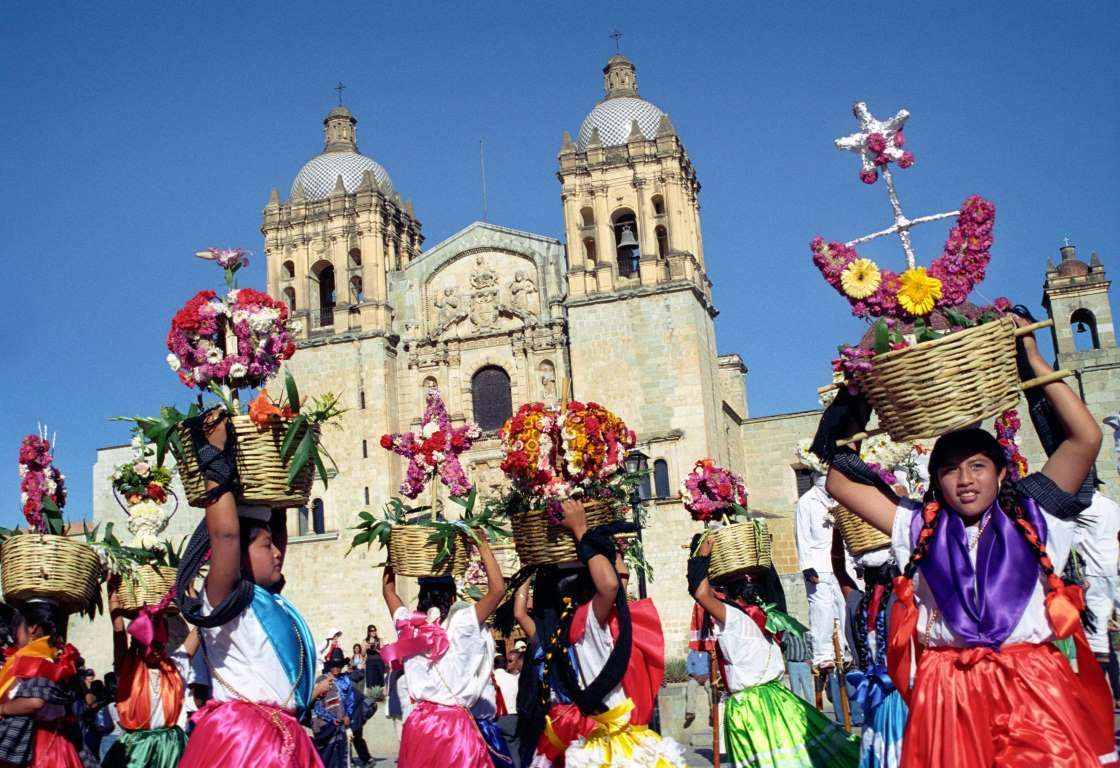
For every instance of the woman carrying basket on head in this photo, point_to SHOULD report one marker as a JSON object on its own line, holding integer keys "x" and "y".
{"x": 589, "y": 694}
{"x": 447, "y": 664}
{"x": 151, "y": 688}
{"x": 979, "y": 602}
{"x": 258, "y": 648}
{"x": 764, "y": 723}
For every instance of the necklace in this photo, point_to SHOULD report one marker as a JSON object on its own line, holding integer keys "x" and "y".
{"x": 272, "y": 715}
{"x": 983, "y": 526}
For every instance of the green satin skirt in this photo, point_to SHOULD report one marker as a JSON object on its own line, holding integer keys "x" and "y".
{"x": 767, "y": 726}
{"x": 155, "y": 748}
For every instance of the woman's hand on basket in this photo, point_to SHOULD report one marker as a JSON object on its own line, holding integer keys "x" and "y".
{"x": 214, "y": 425}
{"x": 1030, "y": 344}
{"x": 574, "y": 517}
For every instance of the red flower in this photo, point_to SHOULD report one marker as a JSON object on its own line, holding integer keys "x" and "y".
{"x": 869, "y": 176}
{"x": 156, "y": 493}
{"x": 387, "y": 442}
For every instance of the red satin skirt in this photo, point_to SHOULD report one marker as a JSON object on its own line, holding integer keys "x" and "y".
{"x": 438, "y": 735}
{"x": 565, "y": 725}
{"x": 53, "y": 750}
{"x": 1022, "y": 707}
{"x": 234, "y": 734}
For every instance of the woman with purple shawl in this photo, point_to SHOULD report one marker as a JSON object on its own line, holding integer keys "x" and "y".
{"x": 979, "y": 603}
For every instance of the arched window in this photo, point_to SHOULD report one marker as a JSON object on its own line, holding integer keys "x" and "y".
{"x": 491, "y": 398}
{"x": 290, "y": 298}
{"x": 588, "y": 217}
{"x": 356, "y": 294}
{"x": 658, "y": 205}
{"x": 324, "y": 278}
{"x": 662, "y": 242}
{"x": 367, "y": 495}
{"x": 355, "y": 257}
{"x": 365, "y": 450}
{"x": 589, "y": 249}
{"x": 626, "y": 242}
{"x": 1084, "y": 330}
{"x": 303, "y": 521}
{"x": 661, "y": 479}
{"x": 289, "y": 270}
{"x": 318, "y": 523}
{"x": 361, "y": 398}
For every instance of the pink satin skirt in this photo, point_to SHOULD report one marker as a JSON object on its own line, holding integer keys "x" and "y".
{"x": 233, "y": 734}
{"x": 436, "y": 735}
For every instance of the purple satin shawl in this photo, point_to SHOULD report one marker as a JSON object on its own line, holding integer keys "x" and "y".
{"x": 981, "y": 604}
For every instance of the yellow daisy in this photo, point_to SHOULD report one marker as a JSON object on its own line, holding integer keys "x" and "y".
{"x": 919, "y": 291}
{"x": 860, "y": 279}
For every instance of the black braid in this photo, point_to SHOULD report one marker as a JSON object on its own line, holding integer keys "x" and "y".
{"x": 863, "y": 652}
{"x": 922, "y": 547}
{"x": 1009, "y": 503}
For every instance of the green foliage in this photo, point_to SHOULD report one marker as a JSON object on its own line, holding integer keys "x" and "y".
{"x": 302, "y": 442}
{"x": 163, "y": 430}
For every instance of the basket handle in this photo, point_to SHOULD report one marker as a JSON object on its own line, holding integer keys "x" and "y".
{"x": 1050, "y": 378}
{"x": 858, "y": 436}
{"x": 1027, "y": 329}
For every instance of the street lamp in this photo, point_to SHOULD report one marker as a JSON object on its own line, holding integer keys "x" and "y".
{"x": 638, "y": 463}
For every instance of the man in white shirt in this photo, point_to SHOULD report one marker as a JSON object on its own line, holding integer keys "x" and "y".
{"x": 1097, "y": 544}
{"x": 814, "y": 557}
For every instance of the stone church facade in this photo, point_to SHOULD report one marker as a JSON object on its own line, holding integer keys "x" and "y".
{"x": 620, "y": 312}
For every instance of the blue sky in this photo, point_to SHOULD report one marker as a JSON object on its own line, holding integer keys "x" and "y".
{"x": 133, "y": 136}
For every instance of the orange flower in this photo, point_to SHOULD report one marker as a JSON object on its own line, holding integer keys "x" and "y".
{"x": 262, "y": 411}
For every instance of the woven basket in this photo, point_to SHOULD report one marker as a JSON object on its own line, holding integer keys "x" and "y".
{"x": 937, "y": 386}
{"x": 539, "y": 543}
{"x": 262, "y": 473}
{"x": 738, "y": 548}
{"x": 411, "y": 554}
{"x": 860, "y": 537}
{"x": 147, "y": 587}
{"x": 57, "y": 568}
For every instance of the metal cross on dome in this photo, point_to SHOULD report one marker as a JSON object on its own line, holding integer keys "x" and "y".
{"x": 890, "y": 131}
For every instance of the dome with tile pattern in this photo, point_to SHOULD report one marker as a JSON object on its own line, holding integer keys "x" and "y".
{"x": 613, "y": 118}
{"x": 319, "y": 175}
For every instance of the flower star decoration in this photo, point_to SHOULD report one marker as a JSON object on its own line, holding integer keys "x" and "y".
{"x": 877, "y": 142}
{"x": 434, "y": 451}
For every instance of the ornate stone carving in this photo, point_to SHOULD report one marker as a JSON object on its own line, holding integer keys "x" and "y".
{"x": 485, "y": 303}
{"x": 523, "y": 294}
{"x": 490, "y": 480}
{"x": 447, "y": 306}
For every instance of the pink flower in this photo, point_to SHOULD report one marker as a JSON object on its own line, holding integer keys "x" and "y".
{"x": 906, "y": 160}
{"x": 869, "y": 176}
{"x": 899, "y": 140}
{"x": 876, "y": 143}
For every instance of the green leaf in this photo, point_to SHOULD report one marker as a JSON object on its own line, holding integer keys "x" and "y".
{"x": 882, "y": 337}
{"x": 291, "y": 434}
{"x": 956, "y": 318}
{"x": 292, "y": 390}
{"x": 299, "y": 459}
{"x": 319, "y": 463}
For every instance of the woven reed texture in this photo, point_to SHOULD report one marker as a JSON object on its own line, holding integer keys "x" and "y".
{"x": 411, "y": 554}
{"x": 263, "y": 474}
{"x": 540, "y": 543}
{"x": 860, "y": 537}
{"x": 58, "y": 568}
{"x": 937, "y": 386}
{"x": 147, "y": 587}
{"x": 739, "y": 547}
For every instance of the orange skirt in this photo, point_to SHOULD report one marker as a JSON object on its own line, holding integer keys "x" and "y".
{"x": 1017, "y": 708}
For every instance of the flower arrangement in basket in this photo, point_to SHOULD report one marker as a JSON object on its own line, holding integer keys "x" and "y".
{"x": 558, "y": 451}
{"x": 718, "y": 497}
{"x": 421, "y": 541}
{"x": 44, "y": 562}
{"x": 221, "y": 344}
{"x": 932, "y": 361}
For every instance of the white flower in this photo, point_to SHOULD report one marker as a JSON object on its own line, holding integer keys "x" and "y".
{"x": 22, "y": 499}
{"x": 214, "y": 355}
{"x": 199, "y": 375}
{"x": 173, "y": 362}
{"x": 429, "y": 429}
{"x": 142, "y": 468}
{"x": 237, "y": 370}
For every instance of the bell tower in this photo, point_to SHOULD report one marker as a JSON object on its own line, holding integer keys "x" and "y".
{"x": 332, "y": 243}
{"x": 1076, "y": 296}
{"x": 630, "y": 195}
